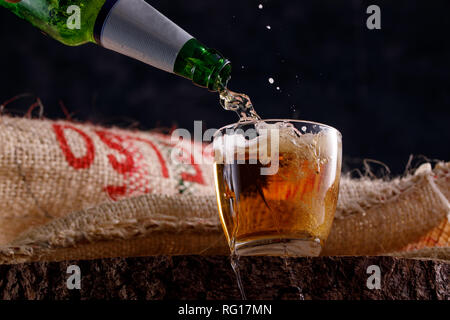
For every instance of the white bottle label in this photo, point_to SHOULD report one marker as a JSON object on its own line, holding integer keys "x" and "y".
{"x": 136, "y": 29}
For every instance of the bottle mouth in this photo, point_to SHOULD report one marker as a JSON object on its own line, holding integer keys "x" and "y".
{"x": 220, "y": 76}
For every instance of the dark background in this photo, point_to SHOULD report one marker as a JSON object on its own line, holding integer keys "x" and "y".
{"x": 386, "y": 90}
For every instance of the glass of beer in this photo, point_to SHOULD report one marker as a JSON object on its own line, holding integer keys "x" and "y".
{"x": 277, "y": 185}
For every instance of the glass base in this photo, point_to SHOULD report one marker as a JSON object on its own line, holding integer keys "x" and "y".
{"x": 279, "y": 247}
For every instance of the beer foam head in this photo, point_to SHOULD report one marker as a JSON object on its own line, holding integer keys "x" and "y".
{"x": 266, "y": 140}
{"x": 292, "y": 141}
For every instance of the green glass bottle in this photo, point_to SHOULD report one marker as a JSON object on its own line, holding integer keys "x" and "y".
{"x": 131, "y": 27}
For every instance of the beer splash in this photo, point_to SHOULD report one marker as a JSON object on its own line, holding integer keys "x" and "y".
{"x": 234, "y": 259}
{"x": 242, "y": 105}
{"x": 238, "y": 102}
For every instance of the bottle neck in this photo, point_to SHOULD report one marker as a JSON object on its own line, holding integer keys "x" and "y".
{"x": 205, "y": 67}
{"x": 136, "y": 29}
{"x": 133, "y": 28}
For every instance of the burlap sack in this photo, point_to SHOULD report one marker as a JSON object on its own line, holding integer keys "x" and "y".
{"x": 49, "y": 169}
{"x": 79, "y": 191}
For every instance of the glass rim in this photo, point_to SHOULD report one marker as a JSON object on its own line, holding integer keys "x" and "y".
{"x": 278, "y": 120}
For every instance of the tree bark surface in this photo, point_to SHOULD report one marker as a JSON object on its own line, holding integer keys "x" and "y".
{"x": 211, "y": 277}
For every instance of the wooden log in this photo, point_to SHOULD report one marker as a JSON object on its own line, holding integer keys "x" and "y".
{"x": 211, "y": 277}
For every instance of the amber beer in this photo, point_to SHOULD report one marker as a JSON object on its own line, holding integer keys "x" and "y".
{"x": 291, "y": 211}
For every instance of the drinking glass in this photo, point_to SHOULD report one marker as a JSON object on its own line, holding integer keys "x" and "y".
{"x": 277, "y": 185}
